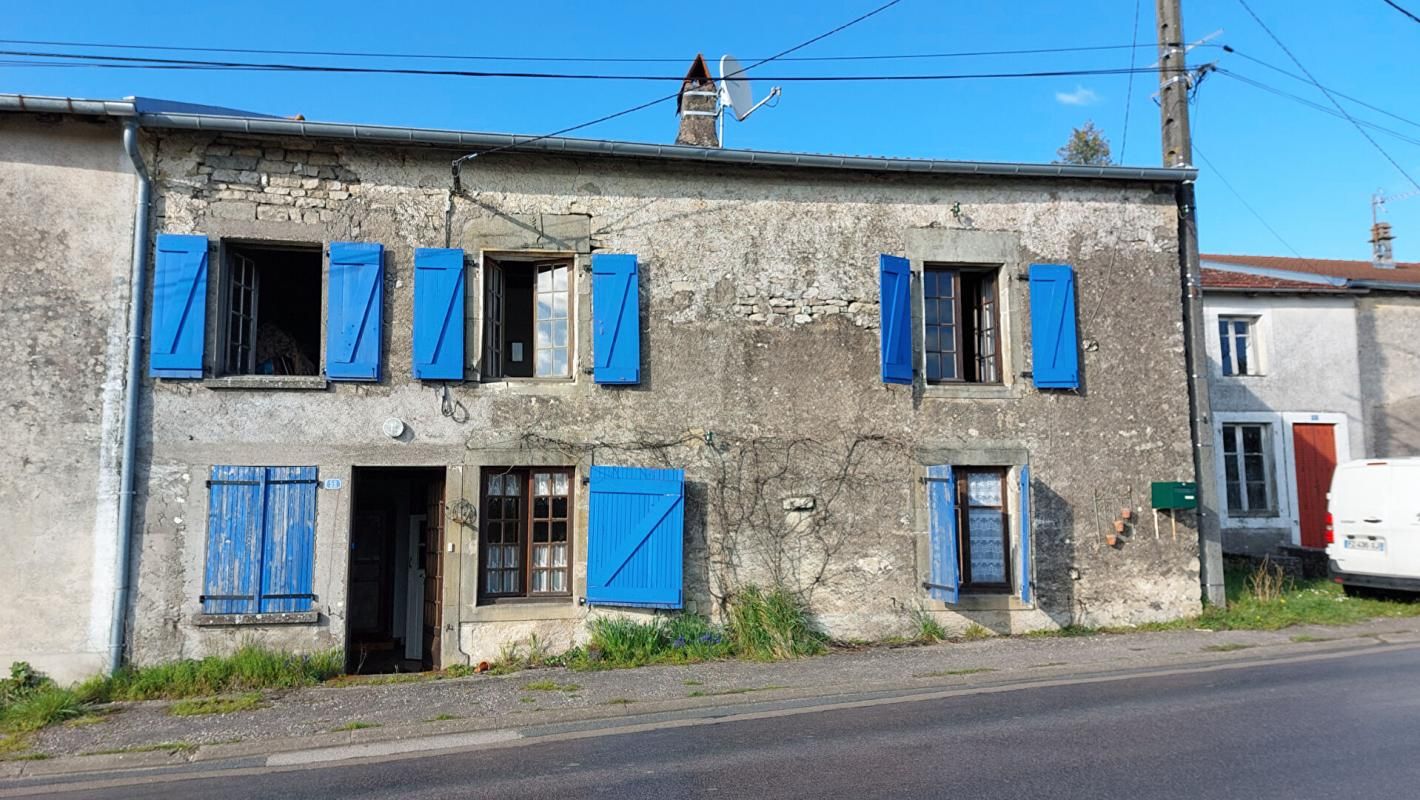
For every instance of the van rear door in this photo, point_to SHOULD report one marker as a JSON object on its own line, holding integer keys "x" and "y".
{"x": 1403, "y": 522}
{"x": 1360, "y": 513}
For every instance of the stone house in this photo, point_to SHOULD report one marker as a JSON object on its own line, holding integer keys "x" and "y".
{"x": 1311, "y": 363}
{"x": 423, "y": 419}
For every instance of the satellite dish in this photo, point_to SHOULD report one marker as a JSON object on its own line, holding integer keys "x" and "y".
{"x": 735, "y": 91}
{"x": 736, "y": 94}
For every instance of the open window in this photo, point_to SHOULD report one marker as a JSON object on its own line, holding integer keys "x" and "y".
{"x": 527, "y": 318}
{"x": 270, "y": 310}
{"x": 962, "y": 323}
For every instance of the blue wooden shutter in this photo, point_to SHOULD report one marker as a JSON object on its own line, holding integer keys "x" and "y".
{"x": 1055, "y": 349}
{"x": 942, "y": 527}
{"x": 288, "y": 556}
{"x": 1025, "y": 534}
{"x": 438, "y": 313}
{"x": 616, "y": 319}
{"x": 179, "y": 307}
{"x": 353, "y": 320}
{"x": 635, "y": 537}
{"x": 234, "y": 522}
{"x": 895, "y": 305}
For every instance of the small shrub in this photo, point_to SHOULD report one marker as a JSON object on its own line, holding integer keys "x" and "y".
{"x": 773, "y": 625}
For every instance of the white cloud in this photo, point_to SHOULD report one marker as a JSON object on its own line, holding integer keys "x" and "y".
{"x": 1080, "y": 97}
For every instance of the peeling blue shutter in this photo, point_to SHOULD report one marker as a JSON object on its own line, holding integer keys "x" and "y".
{"x": 635, "y": 537}
{"x": 234, "y": 522}
{"x": 1025, "y": 534}
{"x": 288, "y": 556}
{"x": 1055, "y": 349}
{"x": 353, "y": 320}
{"x": 179, "y": 307}
{"x": 895, "y": 305}
{"x": 438, "y": 313}
{"x": 944, "y": 583}
{"x": 616, "y": 319}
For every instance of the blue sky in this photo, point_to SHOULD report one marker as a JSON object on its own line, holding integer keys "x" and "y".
{"x": 1309, "y": 175}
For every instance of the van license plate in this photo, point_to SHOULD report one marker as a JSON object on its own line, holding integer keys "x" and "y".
{"x": 1364, "y": 544}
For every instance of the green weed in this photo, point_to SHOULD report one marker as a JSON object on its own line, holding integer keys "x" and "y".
{"x": 250, "y": 668}
{"x": 769, "y": 625}
{"x": 550, "y": 686}
{"x": 216, "y": 705}
{"x": 355, "y": 725}
{"x": 975, "y": 632}
{"x": 171, "y": 748}
{"x": 927, "y": 628}
{"x": 950, "y": 672}
{"x": 443, "y": 717}
{"x": 745, "y": 690}
{"x": 1227, "y": 647}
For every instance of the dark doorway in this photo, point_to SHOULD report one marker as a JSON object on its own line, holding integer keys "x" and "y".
{"x": 394, "y": 607}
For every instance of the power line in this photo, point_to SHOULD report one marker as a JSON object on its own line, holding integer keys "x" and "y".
{"x": 1129, "y": 92}
{"x": 565, "y": 59}
{"x": 1328, "y": 94}
{"x": 1312, "y": 104}
{"x": 458, "y": 162}
{"x": 1397, "y": 7}
{"x": 1294, "y": 76}
{"x": 131, "y": 62}
{"x": 1217, "y": 172}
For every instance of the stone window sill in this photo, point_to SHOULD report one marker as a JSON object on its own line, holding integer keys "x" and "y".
{"x": 268, "y": 382}
{"x": 528, "y": 611}
{"x": 971, "y": 391}
{"x": 989, "y": 602}
{"x": 270, "y": 618}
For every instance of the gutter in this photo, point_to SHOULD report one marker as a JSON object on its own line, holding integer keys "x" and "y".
{"x": 138, "y": 292}
{"x": 468, "y": 141}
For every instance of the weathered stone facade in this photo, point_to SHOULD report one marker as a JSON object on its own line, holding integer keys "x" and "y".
{"x": 760, "y": 377}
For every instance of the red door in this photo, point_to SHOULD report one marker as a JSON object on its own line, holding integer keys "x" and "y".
{"x": 1315, "y": 448}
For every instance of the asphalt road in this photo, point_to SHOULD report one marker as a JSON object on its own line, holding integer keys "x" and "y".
{"x": 1341, "y": 727}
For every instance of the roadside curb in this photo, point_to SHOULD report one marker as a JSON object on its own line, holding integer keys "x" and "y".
{"x": 452, "y": 734}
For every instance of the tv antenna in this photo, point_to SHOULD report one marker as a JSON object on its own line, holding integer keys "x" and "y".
{"x": 736, "y": 94}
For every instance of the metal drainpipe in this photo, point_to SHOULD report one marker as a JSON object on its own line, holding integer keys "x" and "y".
{"x": 138, "y": 294}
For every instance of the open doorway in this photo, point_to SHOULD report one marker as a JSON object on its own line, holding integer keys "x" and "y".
{"x": 394, "y": 608}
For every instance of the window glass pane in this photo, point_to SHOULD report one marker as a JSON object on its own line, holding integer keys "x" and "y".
{"x": 539, "y": 581}
{"x": 510, "y": 556}
{"x": 544, "y": 363}
{"x": 495, "y": 485}
{"x": 539, "y": 532}
{"x": 559, "y": 506}
{"x": 1235, "y": 496}
{"x": 934, "y": 367}
{"x": 929, "y": 282}
{"x": 544, "y": 334}
{"x": 512, "y": 485}
{"x": 1230, "y": 468}
{"x": 559, "y": 581}
{"x": 539, "y": 556}
{"x": 493, "y": 582}
{"x": 1240, "y": 345}
{"x": 542, "y": 485}
{"x": 559, "y": 555}
{"x": 983, "y": 488}
{"x": 559, "y": 486}
{"x": 512, "y": 582}
{"x": 1257, "y": 496}
{"x": 559, "y": 361}
{"x": 1252, "y": 438}
{"x": 931, "y": 343}
{"x": 929, "y": 311}
{"x": 559, "y": 305}
{"x": 988, "y": 554}
{"x": 559, "y": 531}
{"x": 559, "y": 278}
{"x": 1230, "y": 439}
{"x": 1254, "y": 468}
{"x": 544, "y": 279}
{"x": 559, "y": 333}
{"x": 495, "y": 557}
{"x": 949, "y": 367}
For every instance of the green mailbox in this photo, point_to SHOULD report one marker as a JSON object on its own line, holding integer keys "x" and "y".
{"x": 1174, "y": 494}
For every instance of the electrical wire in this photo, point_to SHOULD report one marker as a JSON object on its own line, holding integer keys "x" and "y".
{"x": 1129, "y": 92}
{"x": 130, "y": 62}
{"x": 1397, "y": 7}
{"x": 1328, "y": 94}
{"x": 566, "y": 59}
{"x": 1294, "y": 76}
{"x": 1312, "y": 104}
{"x": 1219, "y": 174}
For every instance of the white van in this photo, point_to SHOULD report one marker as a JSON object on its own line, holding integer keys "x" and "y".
{"x": 1373, "y": 525}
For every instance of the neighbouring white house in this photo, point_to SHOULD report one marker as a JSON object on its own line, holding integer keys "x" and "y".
{"x": 1312, "y": 362}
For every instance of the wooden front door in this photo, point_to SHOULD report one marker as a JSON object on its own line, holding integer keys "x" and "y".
{"x": 433, "y": 574}
{"x": 1314, "y": 446}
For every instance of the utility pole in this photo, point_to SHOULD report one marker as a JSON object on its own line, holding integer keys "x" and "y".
{"x": 1178, "y": 152}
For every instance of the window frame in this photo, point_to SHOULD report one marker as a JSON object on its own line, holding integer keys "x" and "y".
{"x": 996, "y": 274}
{"x": 228, "y": 250}
{"x": 1238, "y": 457}
{"x": 525, "y": 522}
{"x": 963, "y": 532}
{"x": 494, "y": 323}
{"x": 1227, "y": 346}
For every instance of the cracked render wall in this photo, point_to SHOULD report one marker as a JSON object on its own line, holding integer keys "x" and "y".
{"x": 759, "y": 376}
{"x": 67, "y": 193}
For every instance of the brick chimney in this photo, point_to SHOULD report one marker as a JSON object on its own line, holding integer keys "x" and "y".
{"x": 696, "y": 107}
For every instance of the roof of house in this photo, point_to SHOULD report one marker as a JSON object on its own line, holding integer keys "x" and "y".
{"x": 1294, "y": 274}
{"x": 175, "y": 116}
